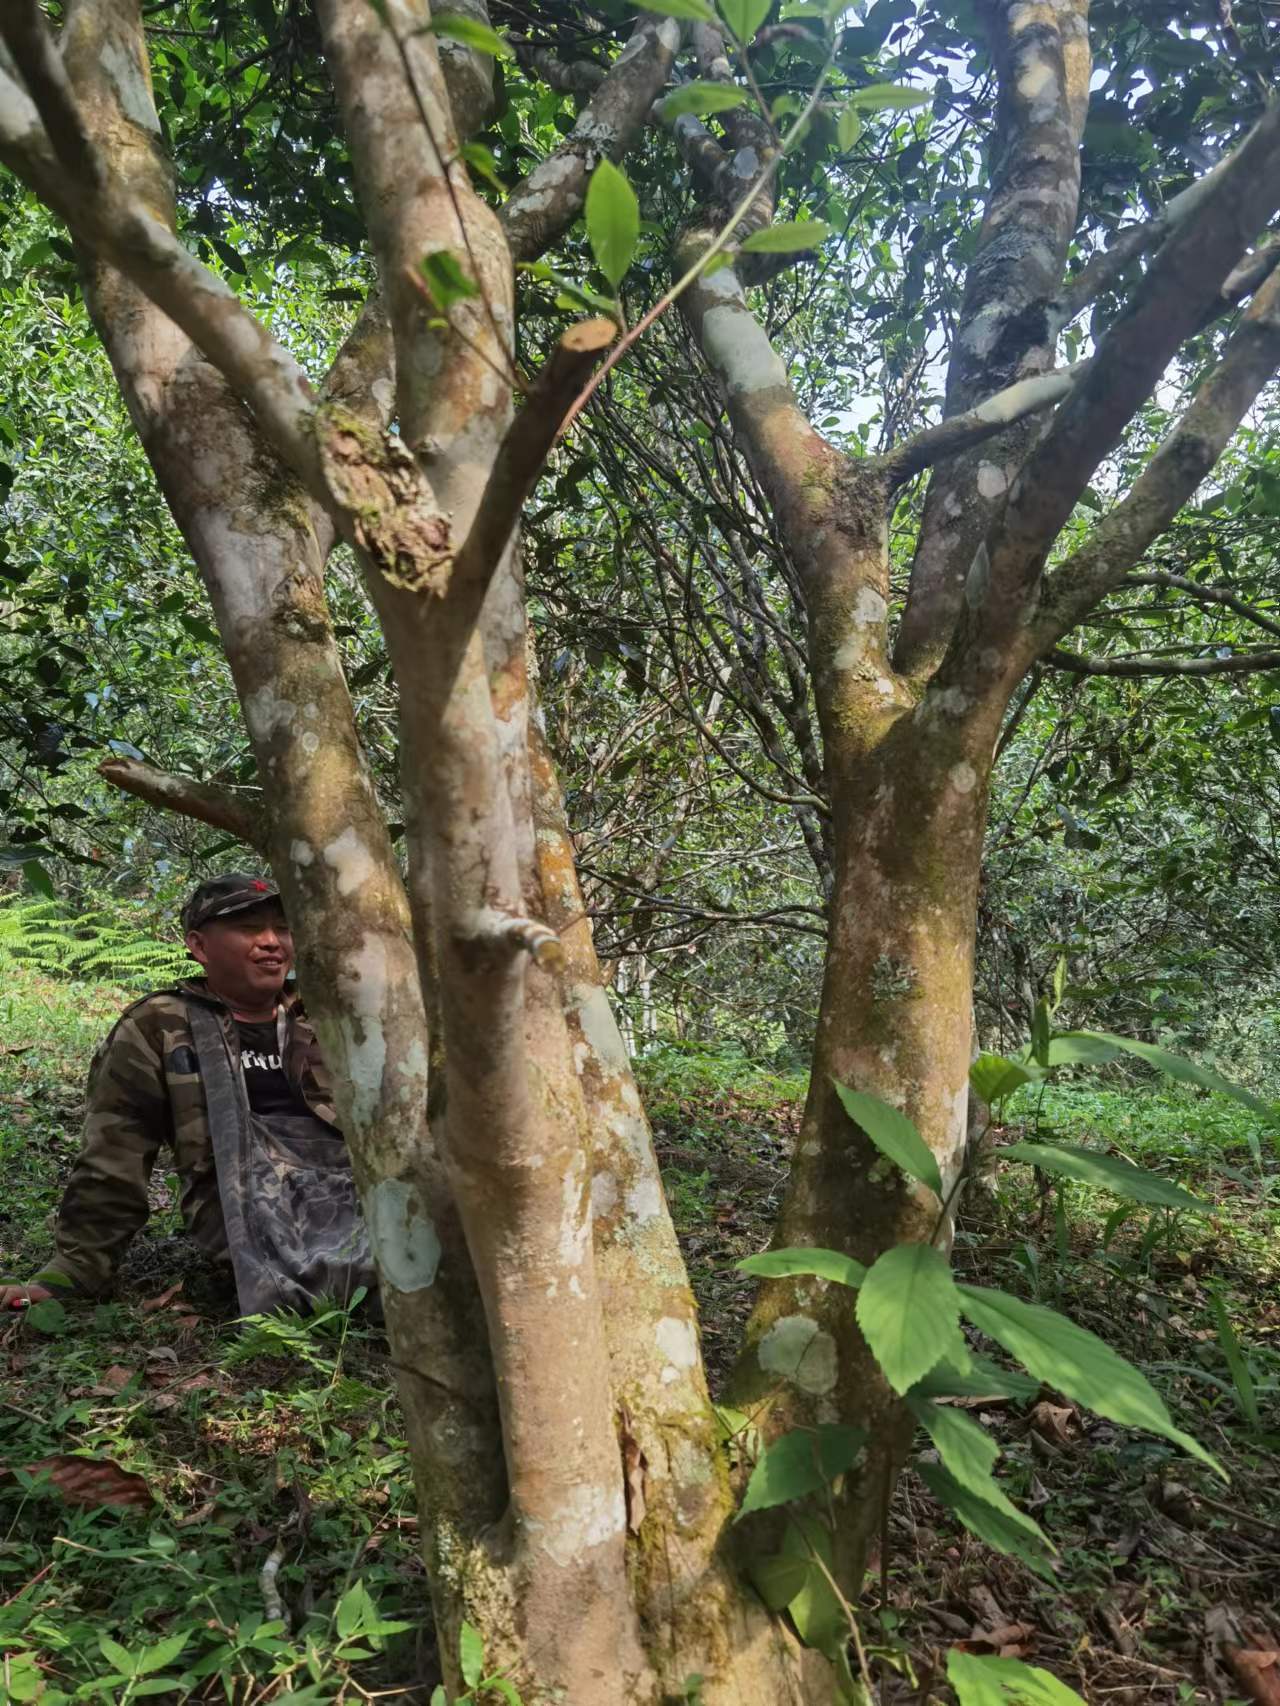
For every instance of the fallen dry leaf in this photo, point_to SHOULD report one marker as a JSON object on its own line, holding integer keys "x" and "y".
{"x": 1007, "y": 1641}
{"x": 1057, "y": 1423}
{"x": 92, "y": 1481}
{"x": 1257, "y": 1671}
{"x": 117, "y": 1377}
{"x": 154, "y": 1303}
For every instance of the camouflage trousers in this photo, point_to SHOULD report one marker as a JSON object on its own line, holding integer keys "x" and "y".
{"x": 294, "y": 1230}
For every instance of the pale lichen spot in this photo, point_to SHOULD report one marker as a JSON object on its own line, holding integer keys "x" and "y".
{"x": 302, "y": 853}
{"x": 575, "y": 1225}
{"x": 351, "y": 859}
{"x": 678, "y": 1342}
{"x": 310, "y": 743}
{"x": 130, "y": 84}
{"x": 644, "y": 1199}
{"x": 599, "y": 1027}
{"x": 963, "y": 777}
{"x": 604, "y": 1194}
{"x": 991, "y": 480}
{"x": 799, "y": 1350}
{"x": 590, "y": 1516}
{"x": 404, "y": 1241}
{"x": 869, "y": 608}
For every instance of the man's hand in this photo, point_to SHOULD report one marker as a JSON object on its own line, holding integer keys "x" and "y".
{"x": 19, "y": 1296}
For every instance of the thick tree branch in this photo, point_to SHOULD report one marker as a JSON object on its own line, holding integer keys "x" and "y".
{"x": 40, "y": 65}
{"x": 1182, "y": 282}
{"x": 1237, "y": 663}
{"x": 962, "y": 432}
{"x": 117, "y": 226}
{"x": 519, "y": 461}
{"x": 1004, "y": 335}
{"x": 1189, "y": 452}
{"x": 238, "y": 811}
{"x": 551, "y": 197}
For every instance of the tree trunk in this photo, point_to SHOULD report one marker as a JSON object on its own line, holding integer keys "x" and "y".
{"x": 895, "y": 1020}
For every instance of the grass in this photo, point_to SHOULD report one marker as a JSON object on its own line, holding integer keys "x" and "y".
{"x": 279, "y": 1450}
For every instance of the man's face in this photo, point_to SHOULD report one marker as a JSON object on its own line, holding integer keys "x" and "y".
{"x": 246, "y": 956}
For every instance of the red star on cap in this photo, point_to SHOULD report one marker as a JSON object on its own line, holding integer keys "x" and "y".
{"x": 260, "y": 886}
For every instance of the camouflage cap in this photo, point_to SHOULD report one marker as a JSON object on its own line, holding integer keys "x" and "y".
{"x": 218, "y": 896}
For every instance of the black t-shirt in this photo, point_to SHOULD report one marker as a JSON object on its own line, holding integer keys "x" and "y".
{"x": 270, "y": 1091}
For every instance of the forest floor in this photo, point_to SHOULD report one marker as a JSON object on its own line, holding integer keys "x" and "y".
{"x": 168, "y": 1489}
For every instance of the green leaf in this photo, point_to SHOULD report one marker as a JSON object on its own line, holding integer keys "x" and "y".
{"x": 982, "y": 1379}
{"x": 744, "y": 17}
{"x": 786, "y": 239}
{"x": 1041, "y": 1030}
{"x": 117, "y": 1655}
{"x": 698, "y": 10}
{"x": 1241, "y": 1378}
{"x": 1059, "y": 981}
{"x": 446, "y": 280}
{"x": 824, "y": 1264}
{"x": 893, "y": 1135}
{"x": 980, "y": 1680}
{"x": 848, "y": 128}
{"x": 472, "y": 33}
{"x": 909, "y": 1311}
{"x": 1077, "y": 1049}
{"x": 991, "y": 1526}
{"x": 157, "y": 1657}
{"x": 888, "y": 97}
{"x": 1185, "y": 1071}
{"x": 355, "y": 1609}
{"x": 995, "y": 1076}
{"x": 500, "y": 1685}
{"x": 470, "y": 1654}
{"x": 613, "y": 221}
{"x": 483, "y": 163}
{"x": 778, "y": 1579}
{"x": 816, "y": 1611}
{"x": 968, "y": 1454}
{"x": 702, "y": 98}
{"x": 48, "y": 1316}
{"x": 1076, "y": 1362}
{"x": 800, "y": 1462}
{"x": 38, "y": 878}
{"x": 438, "y": 1696}
{"x": 1106, "y": 1173}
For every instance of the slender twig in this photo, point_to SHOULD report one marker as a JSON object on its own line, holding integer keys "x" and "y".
{"x": 717, "y": 244}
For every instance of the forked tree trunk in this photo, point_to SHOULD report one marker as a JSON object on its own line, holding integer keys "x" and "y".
{"x": 576, "y": 1502}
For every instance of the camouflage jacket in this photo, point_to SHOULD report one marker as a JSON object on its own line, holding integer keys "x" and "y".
{"x": 145, "y": 1092}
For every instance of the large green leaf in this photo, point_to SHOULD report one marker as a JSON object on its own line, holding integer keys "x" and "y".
{"x": 1076, "y": 1048}
{"x": 702, "y": 98}
{"x": 788, "y": 238}
{"x": 1185, "y": 1071}
{"x": 990, "y": 1525}
{"x": 968, "y": 1454}
{"x": 825, "y": 1264}
{"x": 909, "y": 1312}
{"x": 470, "y": 1654}
{"x": 470, "y": 32}
{"x": 816, "y": 1611}
{"x": 982, "y": 1379}
{"x": 984, "y": 1681}
{"x": 613, "y": 221}
{"x": 744, "y": 17}
{"x": 893, "y": 1135}
{"x": 802, "y": 1461}
{"x": 1106, "y": 1173}
{"x": 888, "y": 97}
{"x": 1075, "y": 1361}
{"x": 994, "y": 1076}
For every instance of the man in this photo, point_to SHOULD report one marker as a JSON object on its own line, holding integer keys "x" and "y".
{"x": 226, "y": 1070}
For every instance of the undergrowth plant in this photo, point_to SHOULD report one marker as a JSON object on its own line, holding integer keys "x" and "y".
{"x": 96, "y": 945}
{"x": 910, "y": 1308}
